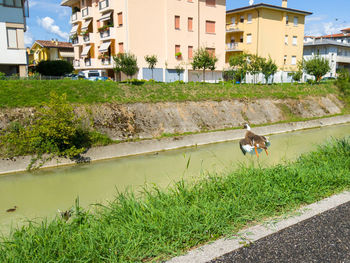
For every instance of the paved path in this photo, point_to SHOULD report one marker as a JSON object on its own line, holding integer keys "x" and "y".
{"x": 322, "y": 238}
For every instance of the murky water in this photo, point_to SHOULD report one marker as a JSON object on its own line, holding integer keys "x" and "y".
{"x": 40, "y": 194}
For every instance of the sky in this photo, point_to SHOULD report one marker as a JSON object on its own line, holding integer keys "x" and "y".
{"x": 48, "y": 20}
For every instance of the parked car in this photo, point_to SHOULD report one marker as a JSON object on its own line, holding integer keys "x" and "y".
{"x": 94, "y": 75}
{"x": 74, "y": 76}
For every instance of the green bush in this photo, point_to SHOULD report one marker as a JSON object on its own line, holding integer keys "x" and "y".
{"x": 2, "y": 76}
{"x": 55, "y": 132}
{"x": 54, "y": 67}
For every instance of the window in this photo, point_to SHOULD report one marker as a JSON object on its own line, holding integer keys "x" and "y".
{"x": 190, "y": 24}
{"x": 211, "y": 51}
{"x": 286, "y": 39}
{"x": 121, "y": 47}
{"x": 294, "y": 60}
{"x": 296, "y": 21}
{"x": 285, "y": 60}
{"x": 241, "y": 39}
{"x": 177, "y": 51}
{"x": 249, "y": 38}
{"x": 120, "y": 19}
{"x": 250, "y": 17}
{"x": 12, "y": 38}
{"x": 210, "y": 27}
{"x": 287, "y": 19}
{"x": 233, "y": 20}
{"x": 241, "y": 19}
{"x": 210, "y": 2}
{"x": 177, "y": 22}
{"x": 14, "y": 3}
{"x": 190, "y": 52}
{"x": 295, "y": 41}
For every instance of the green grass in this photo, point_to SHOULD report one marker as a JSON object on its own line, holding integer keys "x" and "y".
{"x": 161, "y": 223}
{"x": 22, "y": 93}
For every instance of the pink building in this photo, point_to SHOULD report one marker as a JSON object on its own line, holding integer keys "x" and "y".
{"x": 103, "y": 28}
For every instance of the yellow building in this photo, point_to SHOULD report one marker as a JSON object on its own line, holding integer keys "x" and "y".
{"x": 51, "y": 50}
{"x": 268, "y": 31}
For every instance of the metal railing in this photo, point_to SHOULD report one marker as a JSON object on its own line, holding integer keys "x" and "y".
{"x": 86, "y": 38}
{"x": 103, "y": 4}
{"x": 74, "y": 17}
{"x": 105, "y": 34}
{"x": 231, "y": 46}
{"x": 85, "y": 12}
{"x": 87, "y": 62}
{"x": 106, "y": 61}
{"x": 232, "y": 28}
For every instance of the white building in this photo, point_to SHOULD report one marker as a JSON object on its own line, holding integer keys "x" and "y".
{"x": 13, "y": 56}
{"x": 336, "y": 52}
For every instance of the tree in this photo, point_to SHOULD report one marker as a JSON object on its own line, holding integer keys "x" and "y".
{"x": 179, "y": 69}
{"x": 239, "y": 64}
{"x": 126, "y": 63}
{"x": 317, "y": 67}
{"x": 54, "y": 67}
{"x": 202, "y": 59}
{"x": 152, "y": 61}
{"x": 268, "y": 68}
{"x": 254, "y": 65}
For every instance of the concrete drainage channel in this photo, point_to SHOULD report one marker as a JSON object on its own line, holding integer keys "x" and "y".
{"x": 157, "y": 145}
{"x": 223, "y": 246}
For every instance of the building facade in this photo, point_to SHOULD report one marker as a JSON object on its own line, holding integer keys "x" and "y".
{"x": 170, "y": 29}
{"x": 334, "y": 49}
{"x": 267, "y": 31}
{"x": 13, "y": 56}
{"x": 51, "y": 50}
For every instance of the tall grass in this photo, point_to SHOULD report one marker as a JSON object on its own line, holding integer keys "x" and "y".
{"x": 23, "y": 93}
{"x": 164, "y": 223}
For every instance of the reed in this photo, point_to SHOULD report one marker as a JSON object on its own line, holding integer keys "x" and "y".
{"x": 163, "y": 223}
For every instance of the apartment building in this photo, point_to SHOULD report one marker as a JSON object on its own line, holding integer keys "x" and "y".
{"x": 170, "y": 29}
{"x": 336, "y": 51}
{"x": 13, "y": 56}
{"x": 51, "y": 50}
{"x": 342, "y": 37}
{"x": 268, "y": 31}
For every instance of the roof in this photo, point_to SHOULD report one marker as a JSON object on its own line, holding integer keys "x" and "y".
{"x": 346, "y": 29}
{"x": 56, "y": 44}
{"x": 322, "y": 42}
{"x": 332, "y": 35}
{"x": 261, "y": 5}
{"x": 310, "y": 36}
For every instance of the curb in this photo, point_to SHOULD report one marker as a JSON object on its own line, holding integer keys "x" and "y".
{"x": 223, "y": 246}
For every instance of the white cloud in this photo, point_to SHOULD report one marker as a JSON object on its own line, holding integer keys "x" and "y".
{"x": 49, "y": 25}
{"x": 33, "y": 3}
{"x": 315, "y": 18}
{"x": 326, "y": 28}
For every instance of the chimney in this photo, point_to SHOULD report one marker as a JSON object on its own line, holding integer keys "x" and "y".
{"x": 284, "y": 3}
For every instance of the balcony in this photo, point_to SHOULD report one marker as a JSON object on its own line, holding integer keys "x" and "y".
{"x": 343, "y": 59}
{"x": 75, "y": 41}
{"x": 105, "y": 34}
{"x": 87, "y": 62}
{"x": 232, "y": 47}
{"x": 104, "y": 5}
{"x": 86, "y": 13}
{"x": 86, "y": 38}
{"x": 106, "y": 61}
{"x": 232, "y": 28}
{"x": 76, "y": 63}
{"x": 74, "y": 17}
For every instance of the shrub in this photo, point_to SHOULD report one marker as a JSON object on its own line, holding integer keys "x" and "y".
{"x": 202, "y": 59}
{"x": 2, "y": 76}
{"x": 55, "y": 132}
{"x": 54, "y": 67}
{"x": 126, "y": 63}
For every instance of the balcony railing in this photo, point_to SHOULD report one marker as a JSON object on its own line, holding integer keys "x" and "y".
{"x": 343, "y": 59}
{"x": 232, "y": 28}
{"x": 231, "y": 46}
{"x": 75, "y": 41}
{"x": 103, "y": 4}
{"x": 76, "y": 63}
{"x": 105, "y": 34}
{"x": 86, "y": 38}
{"x": 106, "y": 61}
{"x": 74, "y": 17}
{"x": 87, "y": 62}
{"x": 86, "y": 12}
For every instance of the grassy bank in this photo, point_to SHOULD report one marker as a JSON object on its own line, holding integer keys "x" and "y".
{"x": 22, "y": 93}
{"x": 164, "y": 223}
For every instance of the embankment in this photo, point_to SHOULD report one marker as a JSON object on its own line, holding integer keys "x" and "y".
{"x": 152, "y": 120}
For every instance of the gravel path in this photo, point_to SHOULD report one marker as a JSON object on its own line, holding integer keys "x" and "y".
{"x": 322, "y": 238}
